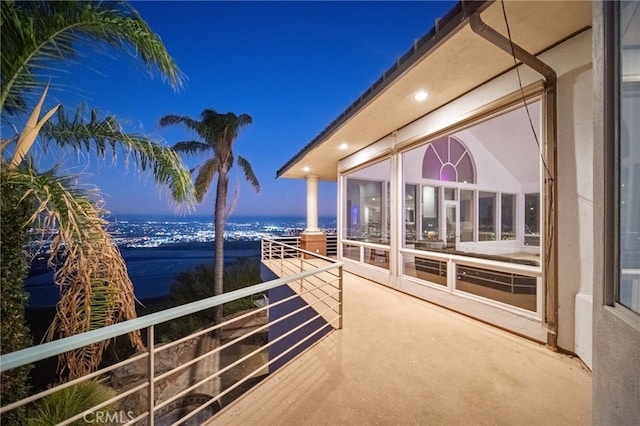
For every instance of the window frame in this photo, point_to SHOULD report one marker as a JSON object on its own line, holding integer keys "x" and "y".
{"x": 612, "y": 164}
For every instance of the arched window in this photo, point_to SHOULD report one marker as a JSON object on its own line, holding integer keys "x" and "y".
{"x": 447, "y": 159}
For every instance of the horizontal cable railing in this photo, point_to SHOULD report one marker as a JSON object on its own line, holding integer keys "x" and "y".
{"x": 294, "y": 241}
{"x": 286, "y": 260}
{"x": 212, "y": 370}
{"x": 332, "y": 245}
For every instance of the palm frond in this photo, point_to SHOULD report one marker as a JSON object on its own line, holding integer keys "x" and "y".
{"x": 36, "y": 34}
{"x": 31, "y": 130}
{"x": 244, "y": 120}
{"x": 189, "y": 123}
{"x": 219, "y": 132}
{"x": 248, "y": 173}
{"x": 105, "y": 136}
{"x": 191, "y": 147}
{"x": 203, "y": 128}
{"x": 234, "y": 200}
{"x": 205, "y": 177}
{"x": 88, "y": 268}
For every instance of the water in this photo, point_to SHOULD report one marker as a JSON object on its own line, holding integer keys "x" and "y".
{"x": 157, "y": 248}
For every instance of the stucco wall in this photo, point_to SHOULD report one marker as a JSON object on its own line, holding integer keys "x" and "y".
{"x": 575, "y": 209}
{"x": 616, "y": 337}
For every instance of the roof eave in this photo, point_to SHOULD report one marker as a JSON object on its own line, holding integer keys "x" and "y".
{"x": 455, "y": 19}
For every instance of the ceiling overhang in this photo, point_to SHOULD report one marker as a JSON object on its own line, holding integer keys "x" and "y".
{"x": 448, "y": 62}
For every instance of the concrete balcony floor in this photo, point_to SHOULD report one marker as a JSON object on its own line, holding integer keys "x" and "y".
{"x": 401, "y": 360}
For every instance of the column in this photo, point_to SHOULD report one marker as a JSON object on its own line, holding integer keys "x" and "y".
{"x": 312, "y": 204}
{"x": 312, "y": 239}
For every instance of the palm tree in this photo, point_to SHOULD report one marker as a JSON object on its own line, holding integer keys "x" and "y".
{"x": 95, "y": 288}
{"x": 36, "y": 34}
{"x": 218, "y": 132}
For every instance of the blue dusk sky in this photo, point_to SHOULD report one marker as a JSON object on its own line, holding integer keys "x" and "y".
{"x": 292, "y": 66}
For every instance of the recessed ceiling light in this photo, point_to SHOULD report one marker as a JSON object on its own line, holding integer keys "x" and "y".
{"x": 344, "y": 146}
{"x": 421, "y": 96}
{"x": 306, "y": 168}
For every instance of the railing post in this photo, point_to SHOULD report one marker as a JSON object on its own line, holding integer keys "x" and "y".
{"x": 301, "y": 257}
{"x": 451, "y": 274}
{"x": 281, "y": 259}
{"x": 340, "y": 298}
{"x": 151, "y": 393}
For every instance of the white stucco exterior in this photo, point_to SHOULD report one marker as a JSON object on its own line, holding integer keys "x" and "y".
{"x": 572, "y": 62}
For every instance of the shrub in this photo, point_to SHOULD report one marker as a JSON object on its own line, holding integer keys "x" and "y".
{"x": 14, "y": 333}
{"x": 197, "y": 283}
{"x": 68, "y": 402}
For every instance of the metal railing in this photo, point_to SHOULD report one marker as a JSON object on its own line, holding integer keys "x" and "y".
{"x": 332, "y": 245}
{"x": 287, "y": 260}
{"x": 294, "y": 241}
{"x": 321, "y": 290}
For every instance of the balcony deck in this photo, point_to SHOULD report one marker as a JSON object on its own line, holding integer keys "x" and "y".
{"x": 400, "y": 360}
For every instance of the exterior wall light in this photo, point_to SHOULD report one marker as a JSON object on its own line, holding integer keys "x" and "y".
{"x": 306, "y": 168}
{"x": 343, "y": 146}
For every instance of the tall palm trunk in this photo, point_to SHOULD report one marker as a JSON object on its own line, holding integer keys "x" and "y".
{"x": 219, "y": 218}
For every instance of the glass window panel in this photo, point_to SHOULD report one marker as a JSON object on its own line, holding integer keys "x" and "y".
{"x": 376, "y": 257}
{"x": 448, "y": 173}
{"x": 442, "y": 148}
{"x": 461, "y": 220}
{"x": 629, "y": 190}
{"x": 364, "y": 209}
{"x": 451, "y": 222}
{"x": 456, "y": 150}
{"x": 448, "y": 160}
{"x": 465, "y": 170}
{"x": 504, "y": 287}
{"x": 450, "y": 194}
{"x": 351, "y": 252}
{"x": 410, "y": 223}
{"x": 486, "y": 216}
{"x": 508, "y": 217}
{"x": 532, "y": 219}
{"x": 434, "y": 271}
{"x": 431, "y": 164}
{"x": 467, "y": 222}
{"x": 430, "y": 213}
